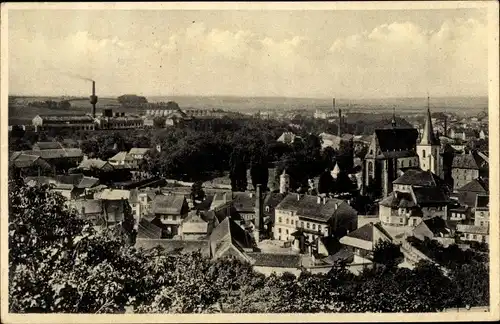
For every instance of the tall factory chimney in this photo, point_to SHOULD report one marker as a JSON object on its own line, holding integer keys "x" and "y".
{"x": 93, "y": 99}
{"x": 339, "y": 132}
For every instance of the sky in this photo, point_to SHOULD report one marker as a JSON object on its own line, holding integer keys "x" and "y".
{"x": 320, "y": 53}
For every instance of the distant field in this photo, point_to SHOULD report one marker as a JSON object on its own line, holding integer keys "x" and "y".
{"x": 21, "y": 113}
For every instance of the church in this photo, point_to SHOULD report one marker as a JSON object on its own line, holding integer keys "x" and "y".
{"x": 395, "y": 150}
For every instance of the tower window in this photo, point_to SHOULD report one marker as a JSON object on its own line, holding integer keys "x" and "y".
{"x": 423, "y": 153}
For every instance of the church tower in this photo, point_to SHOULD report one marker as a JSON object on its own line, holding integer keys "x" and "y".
{"x": 284, "y": 182}
{"x": 429, "y": 147}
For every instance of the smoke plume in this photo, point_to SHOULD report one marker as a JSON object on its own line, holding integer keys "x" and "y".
{"x": 66, "y": 73}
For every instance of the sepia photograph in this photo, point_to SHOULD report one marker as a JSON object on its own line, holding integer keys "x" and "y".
{"x": 183, "y": 159}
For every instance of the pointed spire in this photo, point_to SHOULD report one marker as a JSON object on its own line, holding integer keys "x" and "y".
{"x": 428, "y": 136}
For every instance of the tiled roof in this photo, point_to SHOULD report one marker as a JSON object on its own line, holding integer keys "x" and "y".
{"x": 147, "y": 230}
{"x": 175, "y": 246}
{"x": 472, "y": 229}
{"x": 482, "y": 202}
{"x": 469, "y": 161}
{"x": 419, "y": 178}
{"x": 92, "y": 163}
{"x": 436, "y": 225}
{"x": 73, "y": 118}
{"x": 398, "y": 200}
{"x": 88, "y": 182}
{"x": 429, "y": 196}
{"x": 113, "y": 194}
{"x": 272, "y": 200}
{"x": 394, "y": 141}
{"x": 47, "y": 145}
{"x": 366, "y": 232}
{"x": 91, "y": 206}
{"x": 229, "y": 231}
{"x": 24, "y": 161}
{"x": 331, "y": 244}
{"x": 476, "y": 185}
{"x": 194, "y": 224}
{"x": 244, "y": 202}
{"x": 138, "y": 150}
{"x": 276, "y": 260}
{"x": 120, "y": 156}
{"x": 307, "y": 206}
{"x": 168, "y": 205}
{"x": 56, "y": 153}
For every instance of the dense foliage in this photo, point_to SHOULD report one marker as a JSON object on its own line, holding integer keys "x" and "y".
{"x": 59, "y": 263}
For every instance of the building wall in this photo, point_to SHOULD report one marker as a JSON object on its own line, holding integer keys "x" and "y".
{"x": 456, "y": 215}
{"x": 407, "y": 162}
{"x": 482, "y": 218}
{"x": 463, "y": 176}
{"x": 439, "y": 211}
{"x": 430, "y": 159}
{"x": 474, "y": 237}
{"x": 397, "y": 217}
{"x": 288, "y": 222}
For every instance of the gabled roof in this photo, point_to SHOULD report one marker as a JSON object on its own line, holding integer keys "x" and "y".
{"x": 229, "y": 231}
{"x": 56, "y": 153}
{"x": 429, "y": 196}
{"x": 47, "y": 145}
{"x": 480, "y": 185}
{"x": 307, "y": 206}
{"x": 91, "y": 206}
{"x": 398, "y": 200}
{"x": 93, "y": 163}
{"x": 482, "y": 202}
{"x": 21, "y": 160}
{"x": 418, "y": 177}
{"x": 138, "y": 150}
{"x": 436, "y": 225}
{"x": 88, "y": 182}
{"x": 244, "y": 202}
{"x": 120, "y": 156}
{"x": 366, "y": 232}
{"x": 396, "y": 141}
{"x": 272, "y": 200}
{"x": 168, "y": 205}
{"x": 113, "y": 194}
{"x": 148, "y": 230}
{"x": 193, "y": 223}
{"x": 469, "y": 161}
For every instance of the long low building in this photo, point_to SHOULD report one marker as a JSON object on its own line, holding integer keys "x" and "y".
{"x": 74, "y": 122}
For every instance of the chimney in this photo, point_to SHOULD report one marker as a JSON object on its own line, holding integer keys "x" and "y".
{"x": 298, "y": 197}
{"x": 318, "y": 200}
{"x": 324, "y": 200}
{"x": 93, "y": 99}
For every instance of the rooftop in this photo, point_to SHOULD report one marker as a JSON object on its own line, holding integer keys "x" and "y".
{"x": 418, "y": 177}
{"x": 276, "y": 260}
{"x": 169, "y": 205}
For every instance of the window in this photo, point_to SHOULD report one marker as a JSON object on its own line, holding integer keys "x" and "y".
{"x": 291, "y": 221}
{"x": 370, "y": 167}
{"x": 319, "y": 228}
{"x": 481, "y": 223}
{"x": 474, "y": 236}
{"x": 286, "y": 220}
{"x": 267, "y": 209}
{"x": 308, "y": 225}
{"x": 279, "y": 230}
{"x": 279, "y": 220}
{"x": 423, "y": 154}
{"x": 287, "y": 232}
{"x": 409, "y": 163}
{"x": 401, "y": 220}
{"x": 302, "y": 224}
{"x": 314, "y": 226}
{"x": 482, "y": 214}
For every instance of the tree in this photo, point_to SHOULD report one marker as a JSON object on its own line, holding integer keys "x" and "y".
{"x": 197, "y": 193}
{"x": 387, "y": 253}
{"x": 159, "y": 122}
{"x": 58, "y": 262}
{"x": 325, "y": 183}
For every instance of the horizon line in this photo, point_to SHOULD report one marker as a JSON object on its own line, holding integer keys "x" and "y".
{"x": 258, "y": 96}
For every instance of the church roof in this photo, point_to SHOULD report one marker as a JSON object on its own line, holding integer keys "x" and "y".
{"x": 428, "y": 136}
{"x": 419, "y": 178}
{"x": 396, "y": 141}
